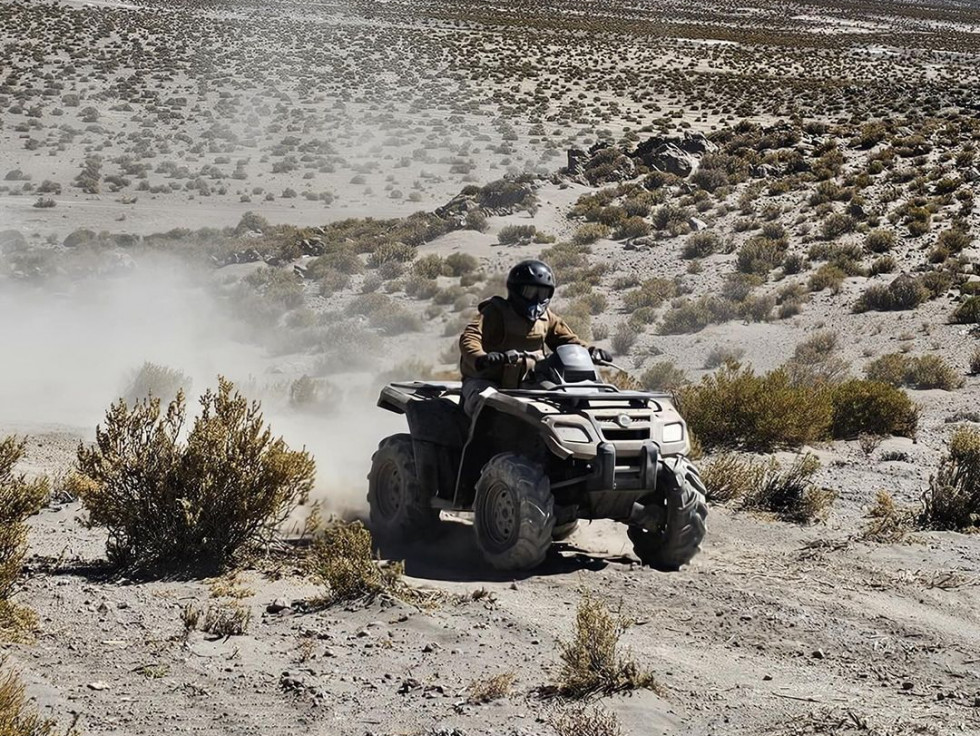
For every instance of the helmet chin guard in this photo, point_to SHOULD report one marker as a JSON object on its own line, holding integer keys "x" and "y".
{"x": 530, "y": 286}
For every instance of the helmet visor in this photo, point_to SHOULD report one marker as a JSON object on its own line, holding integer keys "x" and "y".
{"x": 536, "y": 294}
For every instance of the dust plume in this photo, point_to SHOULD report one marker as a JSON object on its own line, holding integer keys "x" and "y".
{"x": 71, "y": 347}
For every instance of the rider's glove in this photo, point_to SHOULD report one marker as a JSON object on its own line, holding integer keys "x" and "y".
{"x": 599, "y": 355}
{"x": 490, "y": 359}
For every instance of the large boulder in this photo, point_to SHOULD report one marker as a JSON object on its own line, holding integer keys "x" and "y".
{"x": 671, "y": 159}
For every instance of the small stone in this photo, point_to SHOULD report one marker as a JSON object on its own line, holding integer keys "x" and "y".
{"x": 98, "y": 685}
{"x": 818, "y": 654}
{"x": 277, "y": 606}
{"x": 767, "y": 678}
{"x": 907, "y": 686}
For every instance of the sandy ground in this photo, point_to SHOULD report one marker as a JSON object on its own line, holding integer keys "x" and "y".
{"x": 773, "y": 628}
{"x": 203, "y": 112}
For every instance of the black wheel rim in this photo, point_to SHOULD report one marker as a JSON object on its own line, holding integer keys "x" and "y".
{"x": 390, "y": 490}
{"x": 499, "y": 515}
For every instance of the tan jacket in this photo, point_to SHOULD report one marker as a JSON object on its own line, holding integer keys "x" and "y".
{"x": 498, "y": 328}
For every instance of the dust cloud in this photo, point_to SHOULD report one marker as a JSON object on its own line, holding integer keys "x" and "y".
{"x": 71, "y": 347}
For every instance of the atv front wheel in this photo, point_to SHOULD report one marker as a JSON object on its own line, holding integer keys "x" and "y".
{"x": 676, "y": 539}
{"x": 400, "y": 508}
{"x": 515, "y": 512}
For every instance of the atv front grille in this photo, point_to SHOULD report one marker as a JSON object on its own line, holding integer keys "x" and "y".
{"x": 621, "y": 426}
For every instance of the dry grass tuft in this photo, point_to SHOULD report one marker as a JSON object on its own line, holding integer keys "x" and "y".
{"x": 764, "y": 485}
{"x": 952, "y": 500}
{"x": 490, "y": 689}
{"x": 343, "y": 559}
{"x": 19, "y": 499}
{"x": 729, "y": 476}
{"x": 586, "y": 720}
{"x": 226, "y": 620}
{"x": 591, "y": 661}
{"x": 791, "y": 494}
{"x": 887, "y": 521}
{"x": 16, "y": 719}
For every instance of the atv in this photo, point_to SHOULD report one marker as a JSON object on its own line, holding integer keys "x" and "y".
{"x": 559, "y": 446}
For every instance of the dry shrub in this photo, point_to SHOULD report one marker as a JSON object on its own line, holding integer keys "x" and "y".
{"x": 952, "y": 500}
{"x": 193, "y": 504}
{"x": 904, "y": 292}
{"x": 586, "y": 720}
{"x": 663, "y": 376}
{"x": 736, "y": 408}
{"x": 791, "y": 493}
{"x": 19, "y": 499}
{"x": 815, "y": 360}
{"x": 651, "y": 293}
{"x": 871, "y": 407}
{"x": 968, "y": 311}
{"x": 887, "y": 521}
{"x": 231, "y": 619}
{"x": 591, "y": 661}
{"x": 490, "y": 689}
{"x": 925, "y": 372}
{"x": 16, "y": 719}
{"x": 152, "y": 379}
{"x": 343, "y": 559}
{"x": 728, "y": 476}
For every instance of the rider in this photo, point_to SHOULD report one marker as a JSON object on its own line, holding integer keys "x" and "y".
{"x": 521, "y": 322}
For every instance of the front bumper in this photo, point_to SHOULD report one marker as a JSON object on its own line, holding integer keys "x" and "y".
{"x": 619, "y": 482}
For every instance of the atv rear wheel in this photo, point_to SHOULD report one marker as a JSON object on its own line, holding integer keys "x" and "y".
{"x": 515, "y": 512}
{"x": 676, "y": 540}
{"x": 400, "y": 508}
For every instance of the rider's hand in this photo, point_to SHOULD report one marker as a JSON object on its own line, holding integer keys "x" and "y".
{"x": 490, "y": 359}
{"x": 599, "y": 355}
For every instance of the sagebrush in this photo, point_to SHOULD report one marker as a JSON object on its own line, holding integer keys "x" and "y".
{"x": 16, "y": 718}
{"x": 952, "y": 500}
{"x": 591, "y": 662}
{"x": 169, "y": 503}
{"x": 19, "y": 499}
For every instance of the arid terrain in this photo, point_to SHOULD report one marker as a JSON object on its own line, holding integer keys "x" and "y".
{"x": 311, "y": 199}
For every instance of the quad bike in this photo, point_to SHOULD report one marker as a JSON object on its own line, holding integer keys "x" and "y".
{"x": 559, "y": 446}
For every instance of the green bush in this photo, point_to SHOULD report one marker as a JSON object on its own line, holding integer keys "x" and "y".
{"x": 343, "y": 559}
{"x": 760, "y": 254}
{"x": 461, "y": 264}
{"x": 687, "y": 315}
{"x": 651, "y": 293}
{"x": 589, "y": 233}
{"x": 700, "y": 245}
{"x": 429, "y": 266}
{"x": 904, "y": 292}
{"x": 871, "y": 407}
{"x": 663, "y": 376}
{"x": 390, "y": 252}
{"x": 880, "y": 241}
{"x": 516, "y": 234}
{"x": 19, "y": 499}
{"x": 968, "y": 311}
{"x": 836, "y": 225}
{"x": 169, "y": 503}
{"x": 952, "y": 501}
{"x": 925, "y": 372}
{"x": 736, "y": 408}
{"x": 152, "y": 379}
{"x": 828, "y": 276}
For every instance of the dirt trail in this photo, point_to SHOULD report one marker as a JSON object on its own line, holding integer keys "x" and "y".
{"x": 773, "y": 629}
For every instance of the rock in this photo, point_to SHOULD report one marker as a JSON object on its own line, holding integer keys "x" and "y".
{"x": 818, "y": 654}
{"x": 671, "y": 159}
{"x": 697, "y": 224}
{"x": 77, "y": 237}
{"x": 408, "y": 685}
{"x": 311, "y": 247}
{"x": 277, "y": 606}
{"x": 697, "y": 143}
{"x": 98, "y": 685}
{"x": 576, "y": 160}
{"x": 12, "y": 240}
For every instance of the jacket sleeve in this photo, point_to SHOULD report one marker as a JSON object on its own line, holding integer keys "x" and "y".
{"x": 559, "y": 333}
{"x": 486, "y": 324}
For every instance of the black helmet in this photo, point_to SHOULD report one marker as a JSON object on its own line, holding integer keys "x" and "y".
{"x": 530, "y": 286}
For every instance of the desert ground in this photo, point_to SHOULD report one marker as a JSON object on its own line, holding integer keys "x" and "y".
{"x": 311, "y": 199}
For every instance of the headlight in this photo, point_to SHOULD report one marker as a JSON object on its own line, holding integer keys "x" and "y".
{"x": 571, "y": 433}
{"x": 673, "y": 433}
